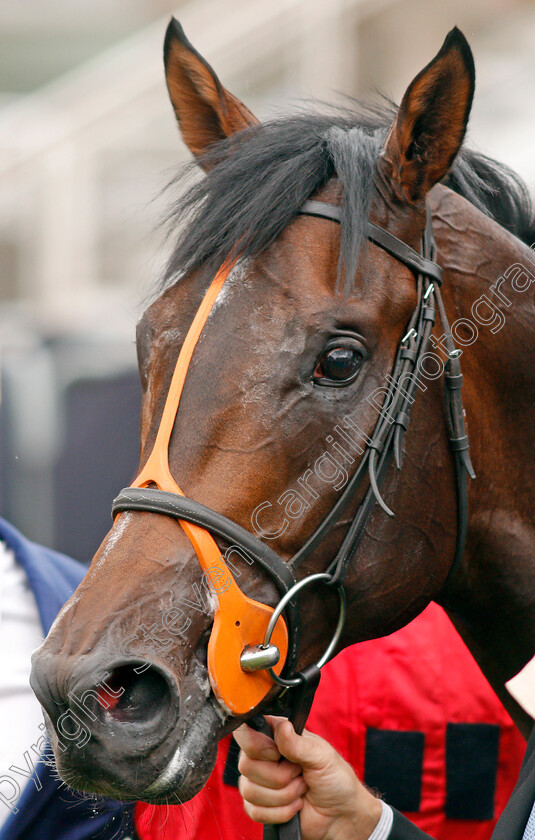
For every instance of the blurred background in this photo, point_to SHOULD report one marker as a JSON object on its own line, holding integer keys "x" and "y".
{"x": 87, "y": 143}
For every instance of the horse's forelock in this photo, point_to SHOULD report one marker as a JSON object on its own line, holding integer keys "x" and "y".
{"x": 258, "y": 179}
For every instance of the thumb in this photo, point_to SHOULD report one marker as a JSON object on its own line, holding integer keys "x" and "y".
{"x": 307, "y": 750}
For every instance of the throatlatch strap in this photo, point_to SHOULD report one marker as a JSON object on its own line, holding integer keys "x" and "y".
{"x": 377, "y": 455}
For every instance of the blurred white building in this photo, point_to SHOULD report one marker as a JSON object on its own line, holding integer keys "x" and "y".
{"x": 84, "y": 157}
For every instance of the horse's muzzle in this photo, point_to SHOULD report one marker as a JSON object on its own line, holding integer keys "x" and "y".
{"x": 112, "y": 721}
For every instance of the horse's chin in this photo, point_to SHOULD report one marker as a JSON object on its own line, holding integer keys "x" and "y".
{"x": 174, "y": 773}
{"x": 192, "y": 762}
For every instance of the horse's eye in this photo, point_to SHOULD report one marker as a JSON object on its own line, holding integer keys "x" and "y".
{"x": 339, "y": 364}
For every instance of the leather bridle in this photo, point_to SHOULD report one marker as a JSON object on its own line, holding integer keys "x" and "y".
{"x": 386, "y": 442}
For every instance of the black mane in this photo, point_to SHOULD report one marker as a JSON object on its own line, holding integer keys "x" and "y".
{"x": 258, "y": 179}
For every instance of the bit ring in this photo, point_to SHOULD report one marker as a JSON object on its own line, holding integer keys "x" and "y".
{"x": 321, "y": 576}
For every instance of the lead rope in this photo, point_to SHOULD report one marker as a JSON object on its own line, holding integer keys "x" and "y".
{"x": 298, "y": 716}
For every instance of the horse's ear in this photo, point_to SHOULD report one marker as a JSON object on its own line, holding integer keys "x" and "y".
{"x": 205, "y": 110}
{"x": 431, "y": 122}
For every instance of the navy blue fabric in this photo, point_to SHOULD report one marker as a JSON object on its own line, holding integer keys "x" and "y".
{"x": 471, "y": 785}
{"x": 54, "y": 812}
{"x": 393, "y": 765}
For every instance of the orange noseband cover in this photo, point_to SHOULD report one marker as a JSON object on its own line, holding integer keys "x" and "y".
{"x": 238, "y": 621}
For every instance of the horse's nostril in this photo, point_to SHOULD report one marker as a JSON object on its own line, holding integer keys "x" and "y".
{"x": 135, "y": 693}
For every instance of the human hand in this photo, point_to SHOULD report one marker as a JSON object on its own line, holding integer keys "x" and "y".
{"x": 312, "y": 779}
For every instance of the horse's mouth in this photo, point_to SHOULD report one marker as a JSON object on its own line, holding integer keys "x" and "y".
{"x": 157, "y": 742}
{"x": 176, "y": 770}
{"x": 192, "y": 761}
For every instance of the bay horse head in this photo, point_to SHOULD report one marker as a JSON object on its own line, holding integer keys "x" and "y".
{"x": 290, "y": 343}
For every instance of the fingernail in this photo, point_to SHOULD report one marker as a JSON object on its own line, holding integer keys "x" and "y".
{"x": 269, "y": 754}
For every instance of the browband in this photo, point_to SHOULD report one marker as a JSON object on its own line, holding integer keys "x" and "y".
{"x": 387, "y": 241}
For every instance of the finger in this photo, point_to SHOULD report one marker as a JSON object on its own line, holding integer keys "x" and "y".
{"x": 307, "y": 750}
{"x": 269, "y": 797}
{"x": 270, "y": 774}
{"x": 273, "y": 816}
{"x": 256, "y": 744}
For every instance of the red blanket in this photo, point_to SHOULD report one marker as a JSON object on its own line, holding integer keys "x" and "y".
{"x": 414, "y": 716}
